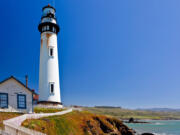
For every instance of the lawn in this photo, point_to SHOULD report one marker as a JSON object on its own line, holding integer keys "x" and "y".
{"x": 7, "y": 115}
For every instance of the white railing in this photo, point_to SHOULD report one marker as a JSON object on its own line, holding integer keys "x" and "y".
{"x": 13, "y": 126}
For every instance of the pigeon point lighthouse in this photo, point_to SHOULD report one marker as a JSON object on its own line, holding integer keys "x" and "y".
{"x": 49, "y": 84}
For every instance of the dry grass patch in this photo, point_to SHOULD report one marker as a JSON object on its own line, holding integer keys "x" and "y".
{"x": 6, "y": 116}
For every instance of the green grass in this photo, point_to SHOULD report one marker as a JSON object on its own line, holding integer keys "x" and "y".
{"x": 7, "y": 115}
{"x": 64, "y": 125}
{"x": 126, "y": 114}
{"x": 47, "y": 110}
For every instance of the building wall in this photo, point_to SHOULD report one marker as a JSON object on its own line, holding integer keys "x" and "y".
{"x": 12, "y": 88}
{"x": 49, "y": 68}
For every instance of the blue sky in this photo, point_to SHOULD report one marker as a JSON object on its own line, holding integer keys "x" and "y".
{"x": 111, "y": 52}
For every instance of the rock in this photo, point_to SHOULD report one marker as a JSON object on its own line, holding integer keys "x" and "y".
{"x": 131, "y": 120}
{"x": 147, "y": 134}
{"x": 110, "y": 126}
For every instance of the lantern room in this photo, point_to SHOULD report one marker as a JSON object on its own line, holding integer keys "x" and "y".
{"x": 48, "y": 20}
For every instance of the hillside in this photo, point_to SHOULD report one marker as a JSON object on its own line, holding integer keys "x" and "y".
{"x": 79, "y": 123}
{"x": 125, "y": 114}
{"x": 161, "y": 109}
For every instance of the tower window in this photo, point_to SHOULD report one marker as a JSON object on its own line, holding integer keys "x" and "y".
{"x": 51, "y": 51}
{"x": 52, "y": 88}
{"x": 54, "y": 29}
{"x": 48, "y": 27}
{"x": 43, "y": 28}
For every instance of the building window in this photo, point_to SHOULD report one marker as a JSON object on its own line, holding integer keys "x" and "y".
{"x": 21, "y": 101}
{"x": 52, "y": 88}
{"x": 3, "y": 100}
{"x": 51, "y": 51}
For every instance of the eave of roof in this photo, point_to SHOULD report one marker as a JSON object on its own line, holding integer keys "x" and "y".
{"x": 12, "y": 77}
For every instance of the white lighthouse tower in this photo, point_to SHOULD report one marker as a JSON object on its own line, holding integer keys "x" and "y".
{"x": 49, "y": 84}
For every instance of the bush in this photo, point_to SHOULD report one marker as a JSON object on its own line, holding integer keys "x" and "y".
{"x": 47, "y": 110}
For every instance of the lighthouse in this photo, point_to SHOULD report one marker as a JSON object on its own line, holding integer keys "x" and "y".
{"x": 49, "y": 84}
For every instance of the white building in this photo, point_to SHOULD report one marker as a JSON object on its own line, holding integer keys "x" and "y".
{"x": 15, "y": 96}
{"x": 49, "y": 85}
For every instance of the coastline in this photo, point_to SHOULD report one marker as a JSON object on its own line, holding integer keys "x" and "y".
{"x": 159, "y": 123}
{"x": 157, "y": 127}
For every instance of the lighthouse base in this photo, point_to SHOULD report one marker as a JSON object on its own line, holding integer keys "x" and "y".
{"x": 49, "y": 104}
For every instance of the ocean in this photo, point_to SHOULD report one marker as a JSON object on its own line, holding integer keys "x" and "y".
{"x": 158, "y": 127}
